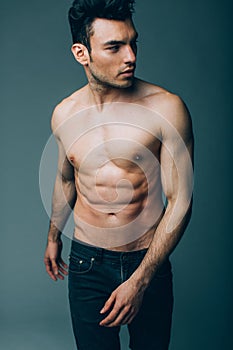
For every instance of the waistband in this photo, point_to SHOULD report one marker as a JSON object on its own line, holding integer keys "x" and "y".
{"x": 98, "y": 253}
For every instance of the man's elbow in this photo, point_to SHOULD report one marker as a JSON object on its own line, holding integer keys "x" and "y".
{"x": 180, "y": 212}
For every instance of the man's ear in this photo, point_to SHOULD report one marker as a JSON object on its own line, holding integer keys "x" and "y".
{"x": 80, "y": 53}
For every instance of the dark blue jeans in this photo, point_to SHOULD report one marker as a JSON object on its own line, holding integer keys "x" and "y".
{"x": 93, "y": 274}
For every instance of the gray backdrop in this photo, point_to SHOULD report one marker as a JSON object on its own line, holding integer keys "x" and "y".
{"x": 185, "y": 47}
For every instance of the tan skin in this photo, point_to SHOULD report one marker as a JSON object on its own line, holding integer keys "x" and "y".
{"x": 113, "y": 53}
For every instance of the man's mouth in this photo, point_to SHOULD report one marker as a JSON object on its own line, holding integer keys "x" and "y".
{"x": 128, "y": 72}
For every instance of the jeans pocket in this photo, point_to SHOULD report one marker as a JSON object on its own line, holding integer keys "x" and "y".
{"x": 80, "y": 265}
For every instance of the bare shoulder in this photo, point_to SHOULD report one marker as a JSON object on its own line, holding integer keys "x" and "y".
{"x": 66, "y": 108}
{"x": 170, "y": 107}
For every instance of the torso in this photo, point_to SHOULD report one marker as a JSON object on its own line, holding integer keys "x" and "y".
{"x": 115, "y": 153}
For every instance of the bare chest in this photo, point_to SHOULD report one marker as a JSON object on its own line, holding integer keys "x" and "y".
{"x": 92, "y": 140}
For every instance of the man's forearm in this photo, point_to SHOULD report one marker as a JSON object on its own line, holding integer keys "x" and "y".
{"x": 64, "y": 198}
{"x": 162, "y": 245}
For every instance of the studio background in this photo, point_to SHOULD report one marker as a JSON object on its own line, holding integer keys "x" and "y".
{"x": 185, "y": 47}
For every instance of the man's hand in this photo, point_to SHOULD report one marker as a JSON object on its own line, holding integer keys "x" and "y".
{"x": 123, "y": 305}
{"x": 54, "y": 264}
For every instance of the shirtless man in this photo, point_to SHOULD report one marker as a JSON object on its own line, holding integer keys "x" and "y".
{"x": 122, "y": 143}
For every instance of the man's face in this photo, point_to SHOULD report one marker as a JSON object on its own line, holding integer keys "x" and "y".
{"x": 113, "y": 52}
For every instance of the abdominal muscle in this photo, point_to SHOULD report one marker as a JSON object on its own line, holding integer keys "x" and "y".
{"x": 116, "y": 209}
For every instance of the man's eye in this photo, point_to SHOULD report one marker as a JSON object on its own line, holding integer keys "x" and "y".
{"x": 113, "y": 48}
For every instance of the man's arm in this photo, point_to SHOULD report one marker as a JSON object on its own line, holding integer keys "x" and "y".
{"x": 177, "y": 180}
{"x": 64, "y": 198}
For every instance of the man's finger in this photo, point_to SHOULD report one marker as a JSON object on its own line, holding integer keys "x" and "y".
{"x": 54, "y": 278}
{"x": 122, "y": 317}
{"x": 49, "y": 271}
{"x": 60, "y": 276}
{"x": 111, "y": 317}
{"x": 64, "y": 264}
{"x": 108, "y": 304}
{"x": 128, "y": 318}
{"x": 62, "y": 270}
{"x": 117, "y": 321}
{"x": 54, "y": 267}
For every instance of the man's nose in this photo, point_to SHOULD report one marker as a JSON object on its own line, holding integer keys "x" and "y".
{"x": 130, "y": 55}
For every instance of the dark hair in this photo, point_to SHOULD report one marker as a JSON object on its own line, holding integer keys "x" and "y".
{"x": 84, "y": 12}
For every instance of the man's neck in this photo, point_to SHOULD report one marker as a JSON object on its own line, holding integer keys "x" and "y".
{"x": 102, "y": 94}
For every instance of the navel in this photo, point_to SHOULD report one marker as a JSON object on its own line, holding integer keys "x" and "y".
{"x": 111, "y": 214}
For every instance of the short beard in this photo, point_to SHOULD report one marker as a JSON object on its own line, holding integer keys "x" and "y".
{"x": 100, "y": 82}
